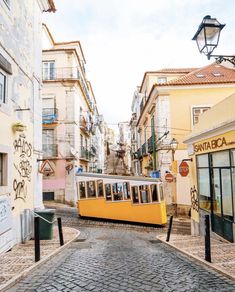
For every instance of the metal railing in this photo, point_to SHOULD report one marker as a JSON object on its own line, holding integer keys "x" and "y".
{"x": 49, "y": 115}
{"x": 67, "y": 73}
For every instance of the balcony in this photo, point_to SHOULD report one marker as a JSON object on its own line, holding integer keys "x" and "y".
{"x": 50, "y": 150}
{"x": 144, "y": 149}
{"x": 139, "y": 153}
{"x": 49, "y": 115}
{"x": 84, "y": 154}
{"x": 67, "y": 73}
{"x": 150, "y": 144}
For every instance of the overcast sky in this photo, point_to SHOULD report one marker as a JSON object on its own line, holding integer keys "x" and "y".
{"x": 122, "y": 39}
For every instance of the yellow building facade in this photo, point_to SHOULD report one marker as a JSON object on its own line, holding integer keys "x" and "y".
{"x": 212, "y": 148}
{"x": 169, "y": 112}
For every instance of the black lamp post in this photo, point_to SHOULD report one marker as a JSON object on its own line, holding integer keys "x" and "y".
{"x": 207, "y": 38}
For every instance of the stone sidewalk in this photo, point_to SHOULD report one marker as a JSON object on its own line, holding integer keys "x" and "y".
{"x": 222, "y": 252}
{"x": 18, "y": 262}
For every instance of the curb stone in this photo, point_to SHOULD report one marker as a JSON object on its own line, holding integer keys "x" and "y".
{"x": 199, "y": 260}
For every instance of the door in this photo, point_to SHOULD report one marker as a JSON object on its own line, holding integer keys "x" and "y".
{"x": 222, "y": 210}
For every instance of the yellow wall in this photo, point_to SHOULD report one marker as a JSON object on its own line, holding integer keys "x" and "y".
{"x": 181, "y": 102}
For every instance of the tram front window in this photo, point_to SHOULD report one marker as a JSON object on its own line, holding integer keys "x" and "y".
{"x": 108, "y": 194}
{"x": 100, "y": 188}
{"x": 135, "y": 197}
{"x": 91, "y": 189}
{"x": 82, "y": 190}
{"x": 144, "y": 194}
{"x": 154, "y": 193}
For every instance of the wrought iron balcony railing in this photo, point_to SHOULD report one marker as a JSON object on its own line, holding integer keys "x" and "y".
{"x": 139, "y": 153}
{"x": 67, "y": 73}
{"x": 50, "y": 150}
{"x": 49, "y": 115}
{"x": 150, "y": 144}
{"x": 144, "y": 150}
{"x": 84, "y": 154}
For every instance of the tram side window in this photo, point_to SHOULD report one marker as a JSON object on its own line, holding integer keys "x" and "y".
{"x": 108, "y": 194}
{"x": 91, "y": 189}
{"x": 100, "y": 188}
{"x": 117, "y": 191}
{"x": 82, "y": 190}
{"x": 154, "y": 193}
{"x": 126, "y": 190}
{"x": 144, "y": 194}
{"x": 161, "y": 193}
{"x": 135, "y": 196}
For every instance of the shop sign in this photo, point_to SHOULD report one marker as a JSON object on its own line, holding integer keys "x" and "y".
{"x": 183, "y": 168}
{"x": 169, "y": 177}
{"x": 211, "y": 145}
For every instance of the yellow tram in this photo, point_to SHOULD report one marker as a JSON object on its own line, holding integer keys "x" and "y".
{"x": 133, "y": 199}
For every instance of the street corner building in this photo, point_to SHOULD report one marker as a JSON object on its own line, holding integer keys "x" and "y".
{"x": 20, "y": 117}
{"x": 166, "y": 108}
{"x": 212, "y": 148}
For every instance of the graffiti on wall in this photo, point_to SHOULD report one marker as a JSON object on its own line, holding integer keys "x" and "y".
{"x": 23, "y": 165}
{"x": 194, "y": 199}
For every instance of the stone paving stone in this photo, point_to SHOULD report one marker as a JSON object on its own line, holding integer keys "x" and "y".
{"x": 124, "y": 259}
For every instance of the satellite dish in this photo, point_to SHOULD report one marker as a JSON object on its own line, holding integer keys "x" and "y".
{"x": 73, "y": 151}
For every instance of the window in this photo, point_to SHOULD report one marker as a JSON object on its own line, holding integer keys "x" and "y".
{"x": 2, "y": 88}
{"x": 49, "y": 148}
{"x": 48, "y": 72}
{"x": 135, "y": 196}
{"x": 82, "y": 190}
{"x": 197, "y": 111}
{"x": 144, "y": 194}
{"x": 1, "y": 169}
{"x": 126, "y": 190}
{"x": 154, "y": 193}
{"x": 108, "y": 193}
{"x": 91, "y": 189}
{"x": 117, "y": 191}
{"x": 161, "y": 80}
{"x": 100, "y": 188}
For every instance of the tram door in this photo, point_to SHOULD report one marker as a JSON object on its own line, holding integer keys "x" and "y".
{"x": 222, "y": 209}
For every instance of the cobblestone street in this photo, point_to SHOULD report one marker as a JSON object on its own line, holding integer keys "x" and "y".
{"x": 121, "y": 259}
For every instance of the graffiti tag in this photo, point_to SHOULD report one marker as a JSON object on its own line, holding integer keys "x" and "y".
{"x": 194, "y": 199}
{"x": 22, "y": 146}
{"x": 20, "y": 189}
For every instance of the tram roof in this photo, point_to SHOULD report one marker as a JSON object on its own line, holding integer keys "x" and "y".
{"x": 117, "y": 177}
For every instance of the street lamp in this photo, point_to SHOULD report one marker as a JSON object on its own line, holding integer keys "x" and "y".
{"x": 207, "y": 38}
{"x": 174, "y": 144}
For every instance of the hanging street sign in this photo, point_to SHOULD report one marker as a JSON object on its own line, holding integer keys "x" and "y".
{"x": 46, "y": 168}
{"x": 184, "y": 168}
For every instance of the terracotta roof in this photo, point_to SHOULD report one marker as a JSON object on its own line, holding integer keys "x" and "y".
{"x": 176, "y": 70}
{"x": 211, "y": 74}
{"x": 167, "y": 71}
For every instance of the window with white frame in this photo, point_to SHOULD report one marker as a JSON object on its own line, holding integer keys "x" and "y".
{"x": 48, "y": 140}
{"x": 48, "y": 68}
{"x": 3, "y": 78}
{"x": 196, "y": 112}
